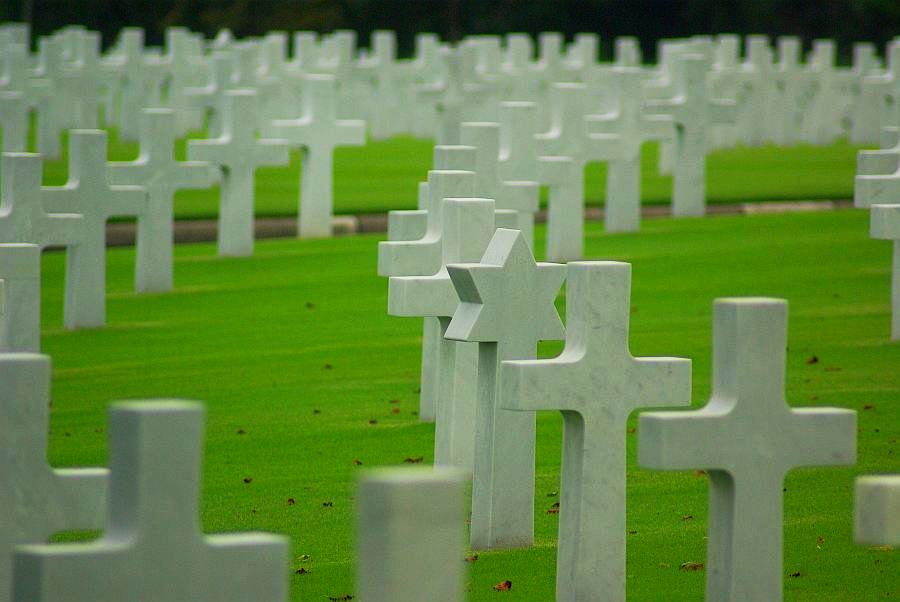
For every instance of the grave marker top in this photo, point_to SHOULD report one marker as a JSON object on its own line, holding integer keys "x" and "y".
{"x": 504, "y": 292}
{"x": 877, "y": 519}
{"x": 596, "y": 384}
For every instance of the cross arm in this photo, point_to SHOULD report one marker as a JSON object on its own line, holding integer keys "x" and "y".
{"x": 295, "y": 131}
{"x": 722, "y": 111}
{"x": 884, "y": 222}
{"x": 602, "y": 147}
{"x": 422, "y": 296}
{"x": 658, "y": 127}
{"x": 123, "y": 173}
{"x": 549, "y": 384}
{"x": 681, "y": 440}
{"x": 876, "y": 190}
{"x": 271, "y": 151}
{"x": 195, "y": 174}
{"x": 407, "y": 225}
{"x": 409, "y": 258}
{"x": 349, "y": 132}
{"x": 82, "y": 492}
{"x": 662, "y": 381}
{"x": 823, "y": 436}
{"x": 877, "y": 162}
{"x": 672, "y": 107}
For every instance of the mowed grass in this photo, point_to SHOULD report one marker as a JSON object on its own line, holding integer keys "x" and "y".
{"x": 383, "y": 175}
{"x": 305, "y": 376}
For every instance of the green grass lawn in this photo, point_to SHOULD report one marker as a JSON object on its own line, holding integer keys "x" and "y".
{"x": 294, "y": 355}
{"x": 383, "y": 174}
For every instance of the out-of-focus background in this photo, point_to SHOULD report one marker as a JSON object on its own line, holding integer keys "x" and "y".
{"x": 845, "y": 21}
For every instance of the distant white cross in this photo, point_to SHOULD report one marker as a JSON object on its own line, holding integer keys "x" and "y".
{"x": 694, "y": 113}
{"x": 238, "y": 153}
{"x": 87, "y": 193}
{"x": 157, "y": 170}
{"x": 318, "y": 132}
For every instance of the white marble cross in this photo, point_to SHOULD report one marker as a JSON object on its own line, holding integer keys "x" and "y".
{"x": 694, "y": 113}
{"x": 22, "y": 215}
{"x": 623, "y": 182}
{"x": 748, "y": 438}
{"x": 209, "y": 99}
{"x": 153, "y": 548}
{"x": 408, "y": 252}
{"x": 877, "y": 516}
{"x": 237, "y": 152}
{"x": 53, "y": 107}
{"x": 157, "y": 170}
{"x": 422, "y": 256}
{"x": 14, "y": 122}
{"x": 520, "y": 161}
{"x": 596, "y": 384}
{"x": 318, "y": 131}
{"x": 20, "y": 298}
{"x": 410, "y": 536}
{"x": 519, "y": 196}
{"x": 87, "y": 193}
{"x": 507, "y": 307}
{"x": 465, "y": 226}
{"x": 755, "y": 88}
{"x": 794, "y": 88}
{"x": 569, "y": 136}
{"x": 144, "y": 76}
{"x": 38, "y": 501}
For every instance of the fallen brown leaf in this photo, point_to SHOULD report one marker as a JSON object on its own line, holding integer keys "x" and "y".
{"x": 691, "y": 566}
{"x": 414, "y": 460}
{"x": 503, "y": 586}
{"x": 291, "y": 501}
{"x": 687, "y": 517}
{"x": 357, "y": 462}
{"x": 813, "y": 360}
{"x": 302, "y": 571}
{"x": 248, "y": 480}
{"x": 471, "y": 558}
{"x": 797, "y": 574}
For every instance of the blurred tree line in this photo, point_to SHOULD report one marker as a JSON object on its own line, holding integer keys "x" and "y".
{"x": 846, "y": 21}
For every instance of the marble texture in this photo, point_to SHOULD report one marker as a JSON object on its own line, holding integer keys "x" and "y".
{"x": 20, "y": 298}
{"x": 157, "y": 170}
{"x": 747, "y": 437}
{"x": 237, "y": 152}
{"x": 410, "y": 535}
{"x": 318, "y": 131}
{"x": 596, "y": 384}
{"x": 87, "y": 193}
{"x": 507, "y": 307}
